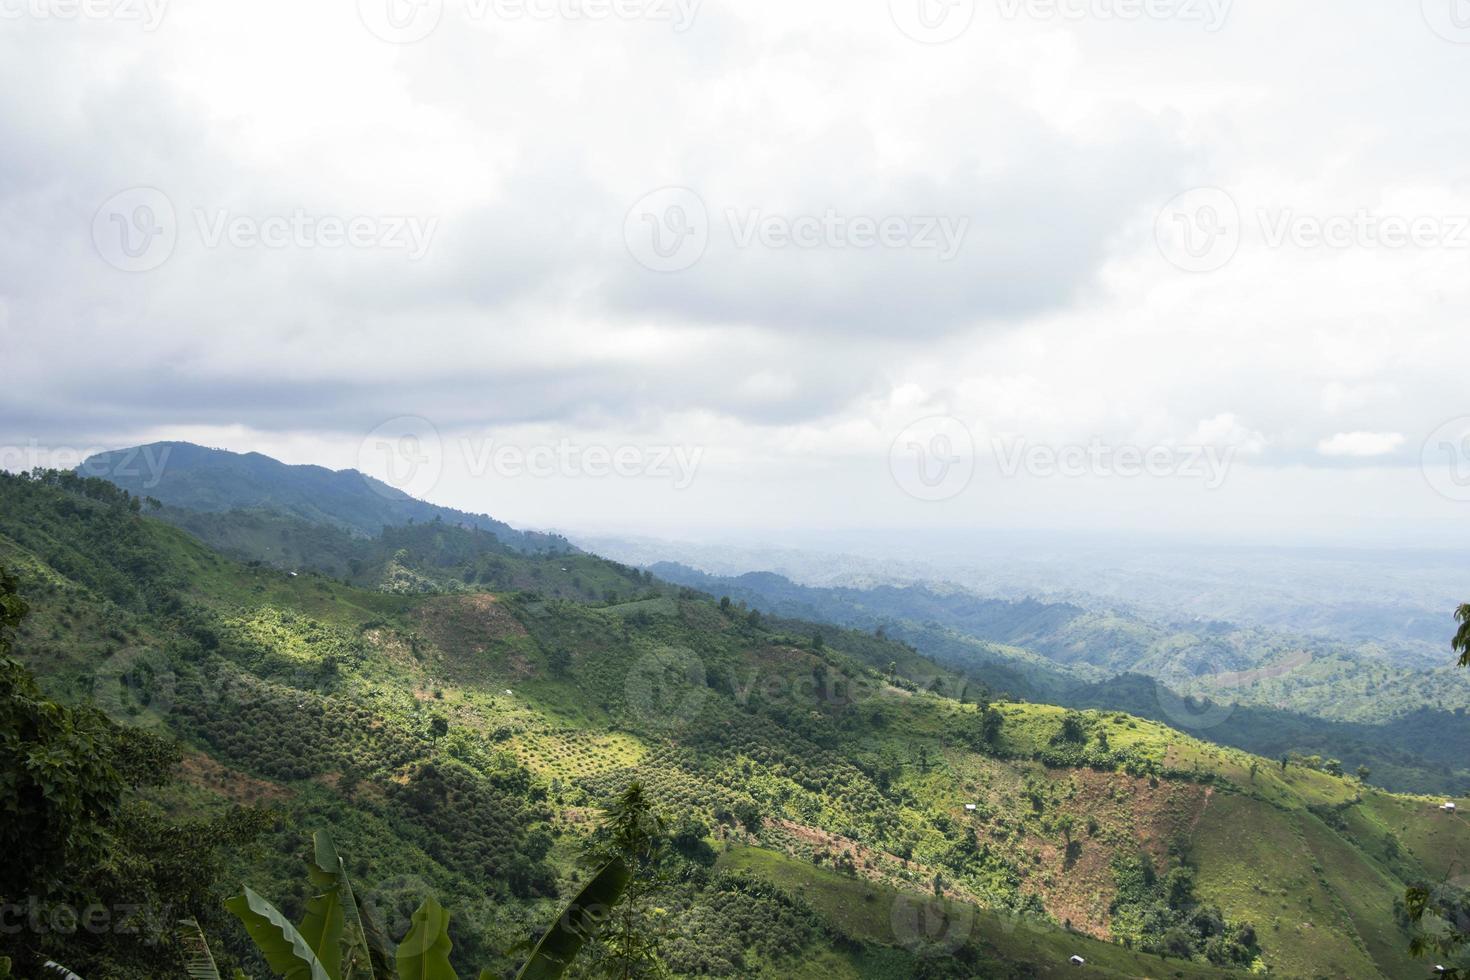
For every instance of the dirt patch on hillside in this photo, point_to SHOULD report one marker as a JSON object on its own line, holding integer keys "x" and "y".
{"x": 467, "y": 623}
{"x": 200, "y": 770}
{"x": 1129, "y": 814}
{"x": 800, "y": 840}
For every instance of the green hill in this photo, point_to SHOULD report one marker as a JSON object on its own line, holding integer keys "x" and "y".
{"x": 847, "y": 806}
{"x": 1264, "y": 692}
{"x": 216, "y": 480}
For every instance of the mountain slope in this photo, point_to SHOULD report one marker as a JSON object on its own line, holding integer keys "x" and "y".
{"x": 216, "y": 480}
{"x": 1257, "y": 691}
{"x": 457, "y": 742}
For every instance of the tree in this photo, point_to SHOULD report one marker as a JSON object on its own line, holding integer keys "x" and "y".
{"x": 638, "y": 836}
{"x": 1284, "y": 760}
{"x": 1451, "y": 906}
{"x": 76, "y": 835}
{"x": 1363, "y": 773}
{"x": 990, "y": 722}
{"x": 1461, "y": 643}
{"x": 1072, "y": 729}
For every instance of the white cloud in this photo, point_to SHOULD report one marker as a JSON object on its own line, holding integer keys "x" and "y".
{"x": 529, "y": 140}
{"x": 1361, "y": 444}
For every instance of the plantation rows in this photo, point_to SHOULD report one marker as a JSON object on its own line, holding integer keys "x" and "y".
{"x": 286, "y": 733}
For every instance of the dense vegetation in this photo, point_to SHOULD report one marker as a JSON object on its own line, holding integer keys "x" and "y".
{"x": 834, "y": 803}
{"x": 1263, "y": 691}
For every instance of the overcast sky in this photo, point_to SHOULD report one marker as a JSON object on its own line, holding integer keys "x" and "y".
{"x": 677, "y": 267}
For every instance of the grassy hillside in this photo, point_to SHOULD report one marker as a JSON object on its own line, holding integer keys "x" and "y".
{"x": 1275, "y": 693}
{"x": 846, "y": 807}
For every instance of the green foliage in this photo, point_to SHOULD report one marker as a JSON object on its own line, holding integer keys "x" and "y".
{"x": 79, "y": 840}
{"x": 1461, "y": 643}
{"x": 424, "y": 952}
{"x": 1162, "y": 915}
{"x": 579, "y": 922}
{"x": 634, "y": 842}
{"x": 282, "y": 945}
{"x": 322, "y": 697}
{"x": 1442, "y": 915}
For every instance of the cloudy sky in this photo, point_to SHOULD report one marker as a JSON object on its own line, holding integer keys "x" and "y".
{"x": 683, "y": 267}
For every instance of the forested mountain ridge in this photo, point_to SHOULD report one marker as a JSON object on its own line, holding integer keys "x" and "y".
{"x": 821, "y": 778}
{"x": 1274, "y": 693}
{"x": 217, "y": 480}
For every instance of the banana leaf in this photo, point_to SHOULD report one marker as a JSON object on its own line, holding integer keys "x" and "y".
{"x": 283, "y": 947}
{"x": 424, "y": 952}
{"x": 579, "y": 922}
{"x": 198, "y": 961}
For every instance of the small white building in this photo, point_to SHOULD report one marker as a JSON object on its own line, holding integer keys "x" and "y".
{"x": 1077, "y": 960}
{"x": 1448, "y": 806}
{"x": 970, "y": 807}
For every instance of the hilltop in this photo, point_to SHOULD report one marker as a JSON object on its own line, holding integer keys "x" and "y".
{"x": 217, "y": 480}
